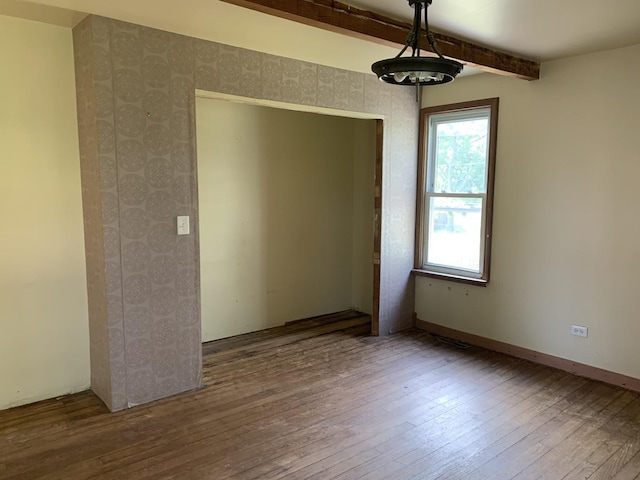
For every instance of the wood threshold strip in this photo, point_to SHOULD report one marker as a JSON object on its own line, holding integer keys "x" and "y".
{"x": 296, "y": 336}
{"x": 341, "y": 18}
{"x": 286, "y": 330}
{"x": 560, "y": 363}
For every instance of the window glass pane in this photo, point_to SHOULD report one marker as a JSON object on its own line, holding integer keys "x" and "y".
{"x": 461, "y": 156}
{"x": 455, "y": 230}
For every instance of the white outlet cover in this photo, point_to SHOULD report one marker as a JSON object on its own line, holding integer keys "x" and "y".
{"x": 579, "y": 331}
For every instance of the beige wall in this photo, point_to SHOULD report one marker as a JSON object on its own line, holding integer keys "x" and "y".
{"x": 277, "y": 209}
{"x": 364, "y": 141}
{"x": 44, "y": 344}
{"x": 566, "y": 245}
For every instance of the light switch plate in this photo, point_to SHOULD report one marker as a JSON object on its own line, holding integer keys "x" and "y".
{"x": 183, "y": 225}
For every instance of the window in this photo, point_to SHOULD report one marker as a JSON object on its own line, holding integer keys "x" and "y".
{"x": 455, "y": 190}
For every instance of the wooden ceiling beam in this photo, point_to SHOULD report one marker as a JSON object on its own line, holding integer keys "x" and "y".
{"x": 345, "y": 19}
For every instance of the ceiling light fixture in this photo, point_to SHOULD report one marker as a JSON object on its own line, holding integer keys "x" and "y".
{"x": 417, "y": 70}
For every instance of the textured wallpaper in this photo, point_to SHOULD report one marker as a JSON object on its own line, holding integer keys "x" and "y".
{"x": 92, "y": 213}
{"x": 136, "y": 99}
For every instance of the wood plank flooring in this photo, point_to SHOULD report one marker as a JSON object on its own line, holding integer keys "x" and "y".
{"x": 321, "y": 399}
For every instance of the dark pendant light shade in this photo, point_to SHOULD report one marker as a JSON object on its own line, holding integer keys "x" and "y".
{"x": 415, "y": 70}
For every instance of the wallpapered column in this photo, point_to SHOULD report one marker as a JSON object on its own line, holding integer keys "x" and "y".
{"x": 135, "y": 105}
{"x": 136, "y": 90}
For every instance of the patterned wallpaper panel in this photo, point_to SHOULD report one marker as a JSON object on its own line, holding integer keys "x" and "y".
{"x": 92, "y": 213}
{"x": 136, "y": 109}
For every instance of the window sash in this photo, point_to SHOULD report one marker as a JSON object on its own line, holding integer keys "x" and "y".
{"x": 450, "y": 269}
{"x": 432, "y": 142}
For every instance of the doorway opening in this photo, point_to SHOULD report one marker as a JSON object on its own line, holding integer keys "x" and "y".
{"x": 288, "y": 208}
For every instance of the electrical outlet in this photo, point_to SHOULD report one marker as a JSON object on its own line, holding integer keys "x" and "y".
{"x": 580, "y": 331}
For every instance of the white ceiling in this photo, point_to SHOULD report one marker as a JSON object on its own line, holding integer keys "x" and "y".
{"x": 216, "y": 21}
{"x": 537, "y": 29}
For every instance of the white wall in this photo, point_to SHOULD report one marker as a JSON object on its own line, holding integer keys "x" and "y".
{"x": 44, "y": 338}
{"x": 566, "y": 245}
{"x": 276, "y": 209}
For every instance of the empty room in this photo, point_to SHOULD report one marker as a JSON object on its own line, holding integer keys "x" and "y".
{"x": 310, "y": 239}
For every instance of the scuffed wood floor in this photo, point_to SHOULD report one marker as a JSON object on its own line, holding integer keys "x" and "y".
{"x": 322, "y": 400}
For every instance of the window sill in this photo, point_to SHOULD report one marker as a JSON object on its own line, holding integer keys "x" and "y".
{"x": 452, "y": 278}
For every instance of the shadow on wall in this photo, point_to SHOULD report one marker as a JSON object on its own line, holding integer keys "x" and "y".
{"x": 286, "y": 215}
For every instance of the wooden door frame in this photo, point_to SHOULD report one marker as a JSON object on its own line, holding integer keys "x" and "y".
{"x": 377, "y": 228}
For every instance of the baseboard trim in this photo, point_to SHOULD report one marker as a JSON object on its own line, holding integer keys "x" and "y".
{"x": 560, "y": 363}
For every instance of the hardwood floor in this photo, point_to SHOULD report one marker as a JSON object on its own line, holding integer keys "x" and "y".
{"x": 323, "y": 400}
